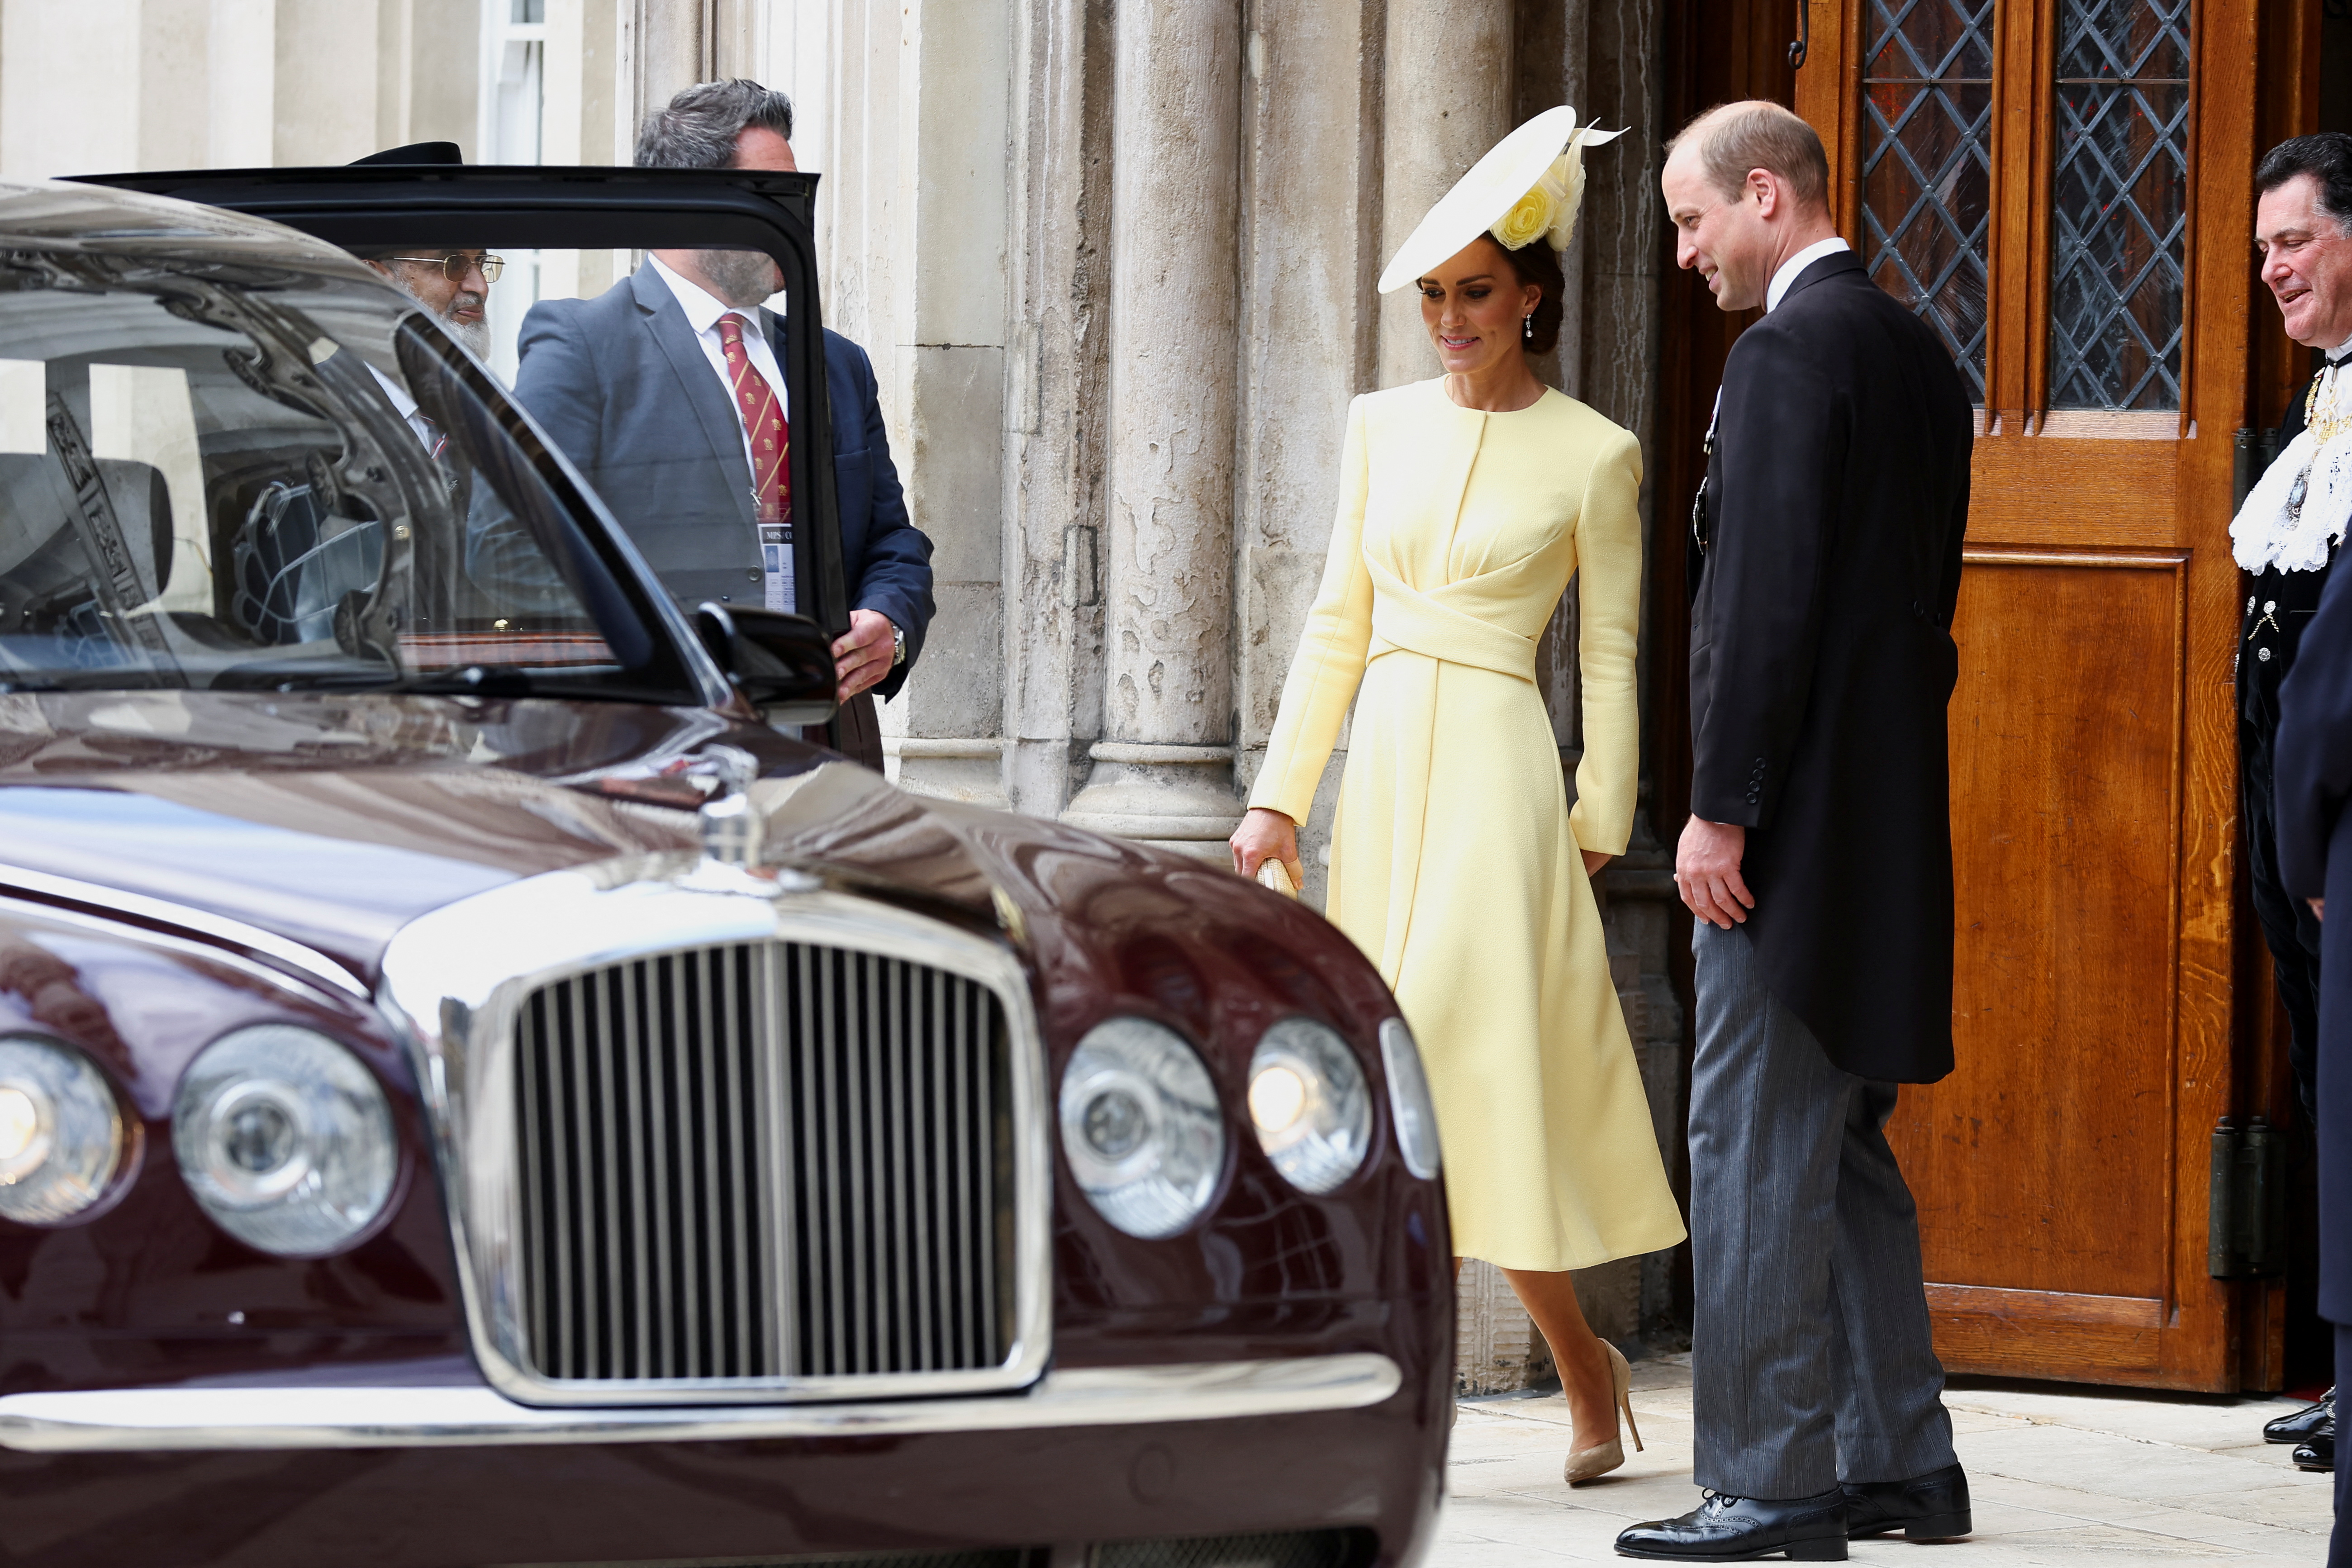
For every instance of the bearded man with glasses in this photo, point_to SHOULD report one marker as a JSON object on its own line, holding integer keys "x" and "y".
{"x": 454, "y": 283}
{"x": 450, "y": 281}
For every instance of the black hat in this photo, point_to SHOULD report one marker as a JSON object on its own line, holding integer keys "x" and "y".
{"x": 415, "y": 152}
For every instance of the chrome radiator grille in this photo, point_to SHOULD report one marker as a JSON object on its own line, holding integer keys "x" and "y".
{"x": 764, "y": 1160}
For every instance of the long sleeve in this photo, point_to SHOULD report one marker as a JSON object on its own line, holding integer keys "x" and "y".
{"x": 558, "y": 380}
{"x": 1329, "y": 663}
{"x": 894, "y": 578}
{"x": 1783, "y": 442}
{"x": 1608, "y": 630}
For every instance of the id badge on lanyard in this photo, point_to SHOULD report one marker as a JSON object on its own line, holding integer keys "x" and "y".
{"x": 776, "y": 551}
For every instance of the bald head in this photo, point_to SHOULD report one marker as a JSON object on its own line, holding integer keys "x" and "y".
{"x": 1747, "y": 188}
{"x": 1731, "y": 140}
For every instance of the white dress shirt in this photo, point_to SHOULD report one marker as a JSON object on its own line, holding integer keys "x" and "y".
{"x": 1792, "y": 267}
{"x": 703, "y": 310}
{"x": 432, "y": 434}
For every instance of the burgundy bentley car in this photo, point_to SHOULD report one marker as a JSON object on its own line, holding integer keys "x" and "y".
{"x": 476, "y": 1087}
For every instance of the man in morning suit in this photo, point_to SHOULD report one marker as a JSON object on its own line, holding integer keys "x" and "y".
{"x": 667, "y": 391}
{"x": 2303, "y": 227}
{"x": 2314, "y": 862}
{"x": 1826, "y": 559}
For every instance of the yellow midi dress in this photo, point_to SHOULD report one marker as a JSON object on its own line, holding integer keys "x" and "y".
{"x": 1454, "y": 857}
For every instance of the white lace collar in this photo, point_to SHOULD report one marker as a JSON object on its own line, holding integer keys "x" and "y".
{"x": 2297, "y": 511}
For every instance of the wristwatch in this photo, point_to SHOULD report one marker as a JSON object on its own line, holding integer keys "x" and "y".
{"x": 897, "y": 646}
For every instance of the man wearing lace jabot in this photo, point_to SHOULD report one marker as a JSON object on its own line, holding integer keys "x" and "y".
{"x": 2285, "y": 538}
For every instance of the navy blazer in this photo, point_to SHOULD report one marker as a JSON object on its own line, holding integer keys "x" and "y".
{"x": 2314, "y": 762}
{"x": 624, "y": 389}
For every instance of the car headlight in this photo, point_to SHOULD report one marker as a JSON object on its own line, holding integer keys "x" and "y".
{"x": 1140, "y": 1126}
{"x": 1306, "y": 1096}
{"x": 1409, "y": 1101}
{"x": 61, "y": 1130}
{"x": 285, "y": 1139}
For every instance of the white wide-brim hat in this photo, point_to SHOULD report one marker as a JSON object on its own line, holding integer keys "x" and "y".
{"x": 1527, "y": 187}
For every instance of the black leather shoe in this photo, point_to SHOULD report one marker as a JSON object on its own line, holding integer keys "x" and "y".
{"x": 2300, "y": 1426}
{"x": 1740, "y": 1529}
{"x": 2317, "y": 1452}
{"x": 1933, "y": 1507}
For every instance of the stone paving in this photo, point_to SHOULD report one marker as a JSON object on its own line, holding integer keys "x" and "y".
{"x": 2059, "y": 1474}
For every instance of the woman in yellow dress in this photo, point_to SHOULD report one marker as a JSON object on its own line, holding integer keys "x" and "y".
{"x": 1466, "y": 504}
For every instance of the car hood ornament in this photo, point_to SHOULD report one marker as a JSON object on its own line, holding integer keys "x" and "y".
{"x": 734, "y": 831}
{"x": 732, "y": 827}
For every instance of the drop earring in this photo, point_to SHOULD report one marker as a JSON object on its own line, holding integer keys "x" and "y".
{"x": 1527, "y": 328}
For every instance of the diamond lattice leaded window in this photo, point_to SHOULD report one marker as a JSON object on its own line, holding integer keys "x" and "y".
{"x": 2119, "y": 192}
{"x": 1926, "y": 165}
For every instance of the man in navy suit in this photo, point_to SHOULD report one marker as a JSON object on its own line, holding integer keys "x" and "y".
{"x": 667, "y": 392}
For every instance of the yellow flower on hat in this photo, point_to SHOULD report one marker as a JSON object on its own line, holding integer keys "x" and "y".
{"x": 1548, "y": 209}
{"x": 1530, "y": 218}
{"x": 1526, "y": 187}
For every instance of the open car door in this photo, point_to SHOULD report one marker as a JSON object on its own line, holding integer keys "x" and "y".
{"x": 574, "y": 233}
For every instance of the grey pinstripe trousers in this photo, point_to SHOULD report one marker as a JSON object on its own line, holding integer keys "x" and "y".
{"x": 1811, "y": 1362}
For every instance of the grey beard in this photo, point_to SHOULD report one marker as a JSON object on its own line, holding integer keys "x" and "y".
{"x": 475, "y": 335}
{"x": 744, "y": 278}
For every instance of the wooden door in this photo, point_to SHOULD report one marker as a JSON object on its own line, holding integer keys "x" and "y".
{"x": 2064, "y": 189}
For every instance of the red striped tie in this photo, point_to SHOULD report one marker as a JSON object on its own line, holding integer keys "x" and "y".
{"x": 763, "y": 420}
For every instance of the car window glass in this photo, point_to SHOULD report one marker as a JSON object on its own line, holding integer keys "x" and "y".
{"x": 686, "y": 439}
{"x": 228, "y": 476}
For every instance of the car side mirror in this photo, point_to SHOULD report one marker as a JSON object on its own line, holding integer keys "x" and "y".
{"x": 781, "y": 664}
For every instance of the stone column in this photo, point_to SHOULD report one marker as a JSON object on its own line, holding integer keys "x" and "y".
{"x": 1309, "y": 336}
{"x": 1056, "y": 410}
{"x": 944, "y": 732}
{"x": 1163, "y": 771}
{"x": 666, "y": 45}
{"x": 1447, "y": 99}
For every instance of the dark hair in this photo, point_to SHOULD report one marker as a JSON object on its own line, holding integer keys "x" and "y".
{"x": 1757, "y": 133}
{"x": 2326, "y": 158}
{"x": 697, "y": 129}
{"x": 1536, "y": 262}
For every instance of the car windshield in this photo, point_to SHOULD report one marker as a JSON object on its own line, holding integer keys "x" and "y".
{"x": 228, "y": 476}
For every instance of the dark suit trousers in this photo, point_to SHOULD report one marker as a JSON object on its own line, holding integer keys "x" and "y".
{"x": 2289, "y": 928}
{"x": 856, "y": 733}
{"x": 1810, "y": 1360}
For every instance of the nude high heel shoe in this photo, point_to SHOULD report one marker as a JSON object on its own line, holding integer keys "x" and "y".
{"x": 1590, "y": 1463}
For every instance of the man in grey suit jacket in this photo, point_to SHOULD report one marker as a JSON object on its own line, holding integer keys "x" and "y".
{"x": 641, "y": 387}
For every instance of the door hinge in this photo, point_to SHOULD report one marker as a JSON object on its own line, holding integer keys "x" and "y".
{"x": 2246, "y": 1225}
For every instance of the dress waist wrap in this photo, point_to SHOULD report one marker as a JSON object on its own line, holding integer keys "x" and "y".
{"x": 1408, "y": 619}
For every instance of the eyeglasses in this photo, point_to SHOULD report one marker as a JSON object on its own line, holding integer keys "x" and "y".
{"x": 455, "y": 268}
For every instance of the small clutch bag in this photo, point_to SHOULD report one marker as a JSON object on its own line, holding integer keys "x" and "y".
{"x": 1272, "y": 873}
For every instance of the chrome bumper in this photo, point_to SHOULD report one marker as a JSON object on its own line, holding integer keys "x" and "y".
{"x": 151, "y": 1419}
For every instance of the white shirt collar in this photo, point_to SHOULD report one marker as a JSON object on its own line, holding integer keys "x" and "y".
{"x": 1795, "y": 266}
{"x": 702, "y": 308}
{"x": 2340, "y": 353}
{"x": 403, "y": 405}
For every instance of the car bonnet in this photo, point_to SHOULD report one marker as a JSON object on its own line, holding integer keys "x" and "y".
{"x": 331, "y": 821}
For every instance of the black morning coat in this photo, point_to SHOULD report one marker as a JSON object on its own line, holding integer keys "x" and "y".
{"x": 2315, "y": 845}
{"x": 1822, "y": 660}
